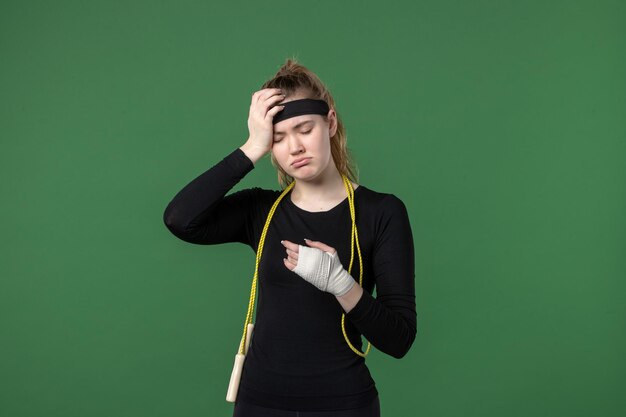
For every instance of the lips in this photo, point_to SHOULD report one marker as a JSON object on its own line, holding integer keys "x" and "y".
{"x": 299, "y": 162}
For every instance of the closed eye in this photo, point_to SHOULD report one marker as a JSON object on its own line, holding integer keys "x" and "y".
{"x": 304, "y": 133}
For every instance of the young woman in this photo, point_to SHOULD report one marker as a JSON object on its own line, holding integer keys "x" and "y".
{"x": 325, "y": 242}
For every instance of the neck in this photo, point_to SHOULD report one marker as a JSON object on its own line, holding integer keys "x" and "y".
{"x": 328, "y": 186}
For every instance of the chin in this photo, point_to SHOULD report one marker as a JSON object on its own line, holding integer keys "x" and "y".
{"x": 305, "y": 176}
{"x": 296, "y": 172}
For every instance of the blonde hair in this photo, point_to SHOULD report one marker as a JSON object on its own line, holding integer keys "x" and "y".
{"x": 293, "y": 77}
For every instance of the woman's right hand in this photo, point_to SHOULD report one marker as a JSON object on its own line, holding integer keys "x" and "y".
{"x": 260, "y": 121}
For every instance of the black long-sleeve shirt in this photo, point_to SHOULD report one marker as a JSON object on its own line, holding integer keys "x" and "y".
{"x": 298, "y": 358}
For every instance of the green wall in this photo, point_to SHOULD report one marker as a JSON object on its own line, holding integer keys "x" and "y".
{"x": 500, "y": 124}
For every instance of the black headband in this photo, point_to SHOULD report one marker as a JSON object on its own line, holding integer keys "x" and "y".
{"x": 299, "y": 107}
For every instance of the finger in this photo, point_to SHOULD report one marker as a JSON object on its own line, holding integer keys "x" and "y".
{"x": 266, "y": 103}
{"x": 288, "y": 265}
{"x": 292, "y": 254}
{"x": 272, "y": 112}
{"x": 271, "y": 102}
{"x": 290, "y": 245}
{"x": 320, "y": 245}
{"x": 259, "y": 93}
{"x": 267, "y": 92}
{"x": 291, "y": 262}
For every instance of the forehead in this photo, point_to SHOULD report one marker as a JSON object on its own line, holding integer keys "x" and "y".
{"x": 295, "y": 122}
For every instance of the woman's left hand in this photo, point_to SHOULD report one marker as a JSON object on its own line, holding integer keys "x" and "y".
{"x": 319, "y": 265}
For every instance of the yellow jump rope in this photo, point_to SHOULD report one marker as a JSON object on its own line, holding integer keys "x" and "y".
{"x": 248, "y": 327}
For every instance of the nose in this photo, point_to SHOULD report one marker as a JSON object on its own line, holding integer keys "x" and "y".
{"x": 295, "y": 146}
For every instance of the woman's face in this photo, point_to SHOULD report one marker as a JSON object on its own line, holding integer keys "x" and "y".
{"x": 306, "y": 136}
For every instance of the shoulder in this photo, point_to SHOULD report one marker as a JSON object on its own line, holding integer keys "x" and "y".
{"x": 386, "y": 211}
{"x": 263, "y": 197}
{"x": 391, "y": 225}
{"x": 261, "y": 193}
{"x": 386, "y": 204}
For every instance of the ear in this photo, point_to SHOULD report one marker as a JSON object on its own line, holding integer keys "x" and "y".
{"x": 332, "y": 123}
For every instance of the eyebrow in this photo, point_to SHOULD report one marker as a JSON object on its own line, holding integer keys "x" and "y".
{"x": 296, "y": 126}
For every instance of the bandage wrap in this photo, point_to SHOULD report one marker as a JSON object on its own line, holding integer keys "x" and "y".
{"x": 323, "y": 270}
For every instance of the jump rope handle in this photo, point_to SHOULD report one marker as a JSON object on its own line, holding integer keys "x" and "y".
{"x": 235, "y": 375}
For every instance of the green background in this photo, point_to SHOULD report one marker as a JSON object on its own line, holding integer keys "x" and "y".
{"x": 500, "y": 124}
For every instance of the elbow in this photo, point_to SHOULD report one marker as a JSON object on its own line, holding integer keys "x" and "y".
{"x": 174, "y": 226}
{"x": 184, "y": 230}
{"x": 401, "y": 353}
{"x": 168, "y": 220}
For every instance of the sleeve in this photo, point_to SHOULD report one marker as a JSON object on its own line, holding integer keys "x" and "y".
{"x": 200, "y": 213}
{"x": 389, "y": 321}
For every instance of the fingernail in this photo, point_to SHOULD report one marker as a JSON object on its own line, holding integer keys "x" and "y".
{"x": 306, "y": 239}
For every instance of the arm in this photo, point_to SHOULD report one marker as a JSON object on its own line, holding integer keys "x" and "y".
{"x": 351, "y": 298}
{"x": 200, "y": 213}
{"x": 389, "y": 321}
